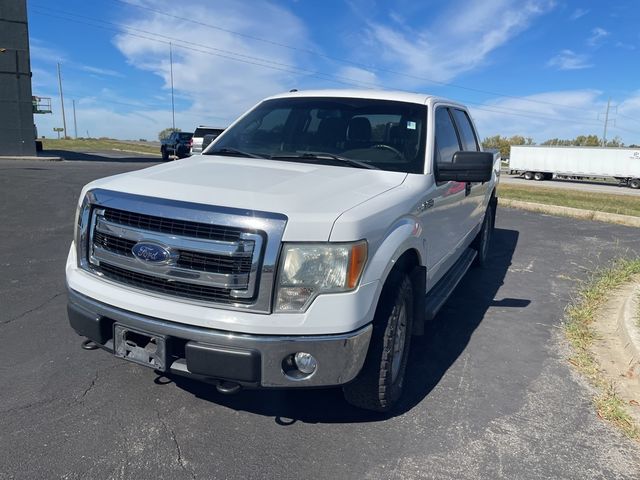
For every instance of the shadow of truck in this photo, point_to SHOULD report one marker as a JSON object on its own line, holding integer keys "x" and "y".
{"x": 431, "y": 356}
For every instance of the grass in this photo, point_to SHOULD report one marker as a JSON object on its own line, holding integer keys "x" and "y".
{"x": 638, "y": 313}
{"x": 602, "y": 202}
{"x": 579, "y": 318}
{"x": 88, "y": 144}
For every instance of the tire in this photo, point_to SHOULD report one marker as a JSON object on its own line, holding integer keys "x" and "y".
{"x": 379, "y": 384}
{"x": 634, "y": 183}
{"x": 528, "y": 175}
{"x": 538, "y": 176}
{"x": 165, "y": 154}
{"x": 483, "y": 240}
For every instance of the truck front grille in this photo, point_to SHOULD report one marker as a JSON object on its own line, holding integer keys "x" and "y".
{"x": 195, "y": 253}
{"x": 204, "y": 262}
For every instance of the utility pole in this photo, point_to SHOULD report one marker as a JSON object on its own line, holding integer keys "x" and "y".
{"x": 75, "y": 124}
{"x": 173, "y": 109}
{"x": 606, "y": 122}
{"x": 64, "y": 119}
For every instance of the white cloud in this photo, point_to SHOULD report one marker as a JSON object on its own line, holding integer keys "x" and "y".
{"x": 597, "y": 35}
{"x": 216, "y": 83}
{"x": 569, "y": 60}
{"x": 100, "y": 71}
{"x": 562, "y": 114}
{"x": 360, "y": 77}
{"x": 214, "y": 88}
{"x": 45, "y": 51}
{"x": 578, "y": 13}
{"x": 559, "y": 114}
{"x": 447, "y": 48}
{"x": 625, "y": 46}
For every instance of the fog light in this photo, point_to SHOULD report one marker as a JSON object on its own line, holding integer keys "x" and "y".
{"x": 305, "y": 362}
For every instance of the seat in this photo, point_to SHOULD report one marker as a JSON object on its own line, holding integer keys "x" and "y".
{"x": 331, "y": 134}
{"x": 358, "y": 133}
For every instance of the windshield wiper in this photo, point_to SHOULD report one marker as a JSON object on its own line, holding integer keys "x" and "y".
{"x": 324, "y": 155}
{"x": 232, "y": 151}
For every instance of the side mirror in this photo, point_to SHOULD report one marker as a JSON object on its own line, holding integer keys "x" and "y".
{"x": 466, "y": 167}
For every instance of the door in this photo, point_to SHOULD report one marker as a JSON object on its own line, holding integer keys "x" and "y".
{"x": 447, "y": 220}
{"x": 476, "y": 191}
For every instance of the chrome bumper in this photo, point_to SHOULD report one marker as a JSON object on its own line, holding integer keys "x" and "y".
{"x": 250, "y": 360}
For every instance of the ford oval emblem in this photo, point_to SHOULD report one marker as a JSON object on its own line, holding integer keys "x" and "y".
{"x": 150, "y": 252}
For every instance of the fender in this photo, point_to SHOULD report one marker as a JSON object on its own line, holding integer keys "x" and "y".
{"x": 405, "y": 234}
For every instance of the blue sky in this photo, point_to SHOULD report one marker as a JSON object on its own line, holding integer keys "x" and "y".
{"x": 539, "y": 68}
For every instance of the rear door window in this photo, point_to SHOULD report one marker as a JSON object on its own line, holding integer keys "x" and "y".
{"x": 467, "y": 135}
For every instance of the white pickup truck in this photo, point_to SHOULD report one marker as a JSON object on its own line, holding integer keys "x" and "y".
{"x": 304, "y": 248}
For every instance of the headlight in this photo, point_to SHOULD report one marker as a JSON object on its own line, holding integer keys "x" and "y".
{"x": 308, "y": 270}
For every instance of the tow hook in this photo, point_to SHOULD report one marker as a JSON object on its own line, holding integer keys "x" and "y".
{"x": 228, "y": 388}
{"x": 89, "y": 345}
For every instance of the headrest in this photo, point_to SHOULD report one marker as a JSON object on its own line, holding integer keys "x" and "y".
{"x": 359, "y": 129}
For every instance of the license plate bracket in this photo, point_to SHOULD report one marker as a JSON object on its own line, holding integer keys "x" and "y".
{"x": 144, "y": 348}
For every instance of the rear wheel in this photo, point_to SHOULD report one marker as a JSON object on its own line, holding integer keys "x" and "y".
{"x": 538, "y": 176}
{"x": 634, "y": 183}
{"x": 528, "y": 175}
{"x": 379, "y": 384}
{"x": 483, "y": 239}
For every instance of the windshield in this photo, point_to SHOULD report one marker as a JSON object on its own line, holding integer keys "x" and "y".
{"x": 350, "y": 132}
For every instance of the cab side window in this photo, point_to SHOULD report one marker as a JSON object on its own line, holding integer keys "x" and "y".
{"x": 446, "y": 137}
{"x": 467, "y": 135}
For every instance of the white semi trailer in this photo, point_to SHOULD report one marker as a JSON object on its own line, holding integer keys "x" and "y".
{"x": 543, "y": 163}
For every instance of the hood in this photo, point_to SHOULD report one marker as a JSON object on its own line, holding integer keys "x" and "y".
{"x": 311, "y": 196}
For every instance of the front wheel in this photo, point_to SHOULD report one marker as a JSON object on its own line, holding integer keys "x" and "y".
{"x": 379, "y": 384}
{"x": 165, "y": 154}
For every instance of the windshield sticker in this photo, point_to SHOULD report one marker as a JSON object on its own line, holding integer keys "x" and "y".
{"x": 411, "y": 125}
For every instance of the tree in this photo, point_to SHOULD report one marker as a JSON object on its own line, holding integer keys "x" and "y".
{"x": 503, "y": 144}
{"x": 615, "y": 142}
{"x": 166, "y": 132}
{"x": 579, "y": 141}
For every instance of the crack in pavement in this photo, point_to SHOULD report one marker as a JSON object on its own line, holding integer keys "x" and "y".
{"x": 7, "y": 322}
{"x": 179, "y": 458}
{"x": 93, "y": 383}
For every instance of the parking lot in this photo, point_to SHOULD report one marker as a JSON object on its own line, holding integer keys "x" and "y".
{"x": 490, "y": 393}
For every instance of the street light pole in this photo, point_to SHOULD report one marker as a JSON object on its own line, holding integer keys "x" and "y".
{"x": 64, "y": 119}
{"x": 173, "y": 109}
{"x": 75, "y": 124}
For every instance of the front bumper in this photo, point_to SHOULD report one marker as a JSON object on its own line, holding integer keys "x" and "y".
{"x": 216, "y": 355}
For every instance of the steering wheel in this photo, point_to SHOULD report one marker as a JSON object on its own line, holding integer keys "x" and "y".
{"x": 382, "y": 146}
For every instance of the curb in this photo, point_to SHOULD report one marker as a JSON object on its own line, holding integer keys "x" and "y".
{"x": 629, "y": 330}
{"x": 627, "y": 220}
{"x": 36, "y": 159}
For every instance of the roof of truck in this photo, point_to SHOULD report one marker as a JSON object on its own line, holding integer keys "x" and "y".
{"x": 398, "y": 96}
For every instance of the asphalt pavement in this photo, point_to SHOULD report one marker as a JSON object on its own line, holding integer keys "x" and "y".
{"x": 490, "y": 393}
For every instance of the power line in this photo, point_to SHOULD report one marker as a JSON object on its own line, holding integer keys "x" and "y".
{"x": 367, "y": 67}
{"x": 247, "y": 59}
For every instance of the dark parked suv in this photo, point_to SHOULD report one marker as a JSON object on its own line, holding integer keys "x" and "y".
{"x": 177, "y": 144}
